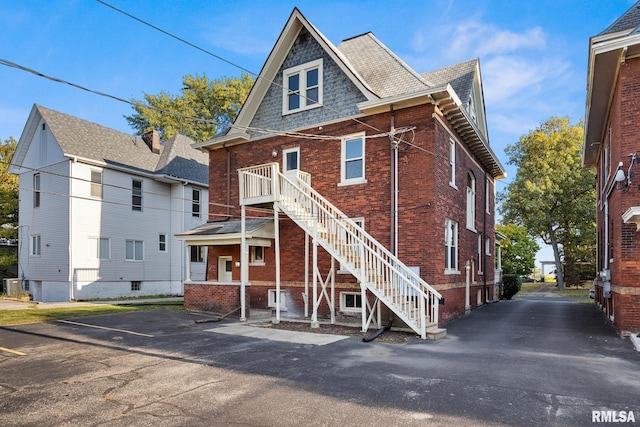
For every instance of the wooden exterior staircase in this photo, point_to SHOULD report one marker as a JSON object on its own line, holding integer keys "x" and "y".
{"x": 394, "y": 284}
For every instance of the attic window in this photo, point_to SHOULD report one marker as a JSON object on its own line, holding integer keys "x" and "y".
{"x": 302, "y": 87}
{"x": 472, "y": 109}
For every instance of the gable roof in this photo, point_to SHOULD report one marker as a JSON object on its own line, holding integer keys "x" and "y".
{"x": 383, "y": 79}
{"x": 607, "y": 52}
{"x": 630, "y": 19}
{"x": 382, "y": 69}
{"x": 84, "y": 140}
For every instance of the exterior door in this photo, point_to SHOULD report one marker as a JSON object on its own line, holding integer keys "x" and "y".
{"x": 225, "y": 269}
{"x": 291, "y": 161}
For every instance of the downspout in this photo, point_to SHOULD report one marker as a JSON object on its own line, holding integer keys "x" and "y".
{"x": 228, "y": 179}
{"x": 483, "y": 249}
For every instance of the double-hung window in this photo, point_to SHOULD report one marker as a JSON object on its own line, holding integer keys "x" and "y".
{"x": 136, "y": 195}
{"x": 302, "y": 87}
{"x": 452, "y": 163}
{"x": 471, "y": 202}
{"x": 352, "y": 166}
{"x": 162, "y": 242}
{"x": 35, "y": 245}
{"x": 195, "y": 203}
{"x": 36, "y": 190}
{"x": 99, "y": 247}
{"x": 451, "y": 246}
{"x": 134, "y": 250}
{"x": 96, "y": 183}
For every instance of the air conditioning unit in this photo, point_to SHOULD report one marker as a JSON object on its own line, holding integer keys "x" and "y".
{"x": 12, "y": 287}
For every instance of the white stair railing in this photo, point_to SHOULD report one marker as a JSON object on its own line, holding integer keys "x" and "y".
{"x": 412, "y": 299}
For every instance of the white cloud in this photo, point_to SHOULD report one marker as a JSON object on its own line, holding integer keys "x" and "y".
{"x": 481, "y": 39}
{"x": 507, "y": 76}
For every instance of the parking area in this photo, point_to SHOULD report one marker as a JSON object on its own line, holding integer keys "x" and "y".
{"x": 525, "y": 362}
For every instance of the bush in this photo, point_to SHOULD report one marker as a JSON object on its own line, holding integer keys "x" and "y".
{"x": 511, "y": 285}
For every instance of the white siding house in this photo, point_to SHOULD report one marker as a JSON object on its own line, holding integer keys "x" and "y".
{"x": 99, "y": 209}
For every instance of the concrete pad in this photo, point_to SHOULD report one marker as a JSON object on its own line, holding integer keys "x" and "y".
{"x": 277, "y": 334}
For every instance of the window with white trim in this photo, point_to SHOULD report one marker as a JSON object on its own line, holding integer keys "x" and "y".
{"x": 451, "y": 246}
{"x": 162, "y": 242}
{"x": 471, "y": 201}
{"x": 487, "y": 196}
{"x": 272, "y": 299}
{"x": 99, "y": 247}
{"x": 195, "y": 202}
{"x": 487, "y": 246}
{"x": 302, "y": 87}
{"x": 352, "y": 165}
{"x": 351, "y": 302}
{"x": 291, "y": 159}
{"x": 452, "y": 162}
{"x": 256, "y": 255}
{"x": 480, "y": 263}
{"x": 134, "y": 250}
{"x": 96, "y": 183}
{"x": 136, "y": 195}
{"x": 35, "y": 245}
{"x": 36, "y": 190}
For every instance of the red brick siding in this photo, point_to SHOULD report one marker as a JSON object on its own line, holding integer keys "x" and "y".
{"x": 425, "y": 199}
{"x": 624, "y": 240}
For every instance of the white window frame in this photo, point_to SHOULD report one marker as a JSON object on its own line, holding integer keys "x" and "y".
{"x": 256, "y": 255}
{"x": 452, "y": 163}
{"x": 360, "y": 221}
{"x": 36, "y": 245}
{"x": 451, "y": 242}
{"x": 162, "y": 242}
{"x": 96, "y": 186}
{"x": 271, "y": 298}
{"x": 343, "y": 159}
{"x": 134, "y": 193}
{"x": 301, "y": 71}
{"x": 196, "y": 204}
{"x": 343, "y": 302}
{"x": 36, "y": 190}
{"x": 487, "y": 196}
{"x": 471, "y": 201}
{"x": 138, "y": 250}
{"x": 487, "y": 246}
{"x": 480, "y": 260}
{"x": 285, "y": 163}
{"x": 95, "y": 248}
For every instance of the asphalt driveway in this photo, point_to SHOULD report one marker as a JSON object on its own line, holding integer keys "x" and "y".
{"x": 534, "y": 362}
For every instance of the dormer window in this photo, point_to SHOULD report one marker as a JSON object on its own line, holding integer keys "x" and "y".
{"x": 302, "y": 87}
{"x": 472, "y": 109}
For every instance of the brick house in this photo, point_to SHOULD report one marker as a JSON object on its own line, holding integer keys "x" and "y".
{"x": 612, "y": 132}
{"x": 351, "y": 186}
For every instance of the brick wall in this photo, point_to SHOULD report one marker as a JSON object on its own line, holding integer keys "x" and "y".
{"x": 425, "y": 199}
{"x": 624, "y": 240}
{"x": 217, "y": 298}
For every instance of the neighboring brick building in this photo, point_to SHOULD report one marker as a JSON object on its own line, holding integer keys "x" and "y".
{"x": 405, "y": 156}
{"x": 612, "y": 143}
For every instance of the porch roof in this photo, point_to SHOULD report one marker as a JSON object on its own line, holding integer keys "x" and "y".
{"x": 258, "y": 232}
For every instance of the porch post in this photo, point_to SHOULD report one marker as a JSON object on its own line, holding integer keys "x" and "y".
{"x": 276, "y": 226}
{"x": 314, "y": 315}
{"x": 244, "y": 264}
{"x": 333, "y": 290}
{"x": 187, "y": 267}
{"x": 306, "y": 274}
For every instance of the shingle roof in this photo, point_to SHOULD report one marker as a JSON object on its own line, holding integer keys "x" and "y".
{"x": 384, "y": 71}
{"x": 80, "y": 138}
{"x": 628, "y": 21}
{"x": 229, "y": 227}
{"x": 459, "y": 76}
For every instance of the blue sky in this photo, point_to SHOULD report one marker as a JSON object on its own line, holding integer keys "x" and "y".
{"x": 533, "y": 54}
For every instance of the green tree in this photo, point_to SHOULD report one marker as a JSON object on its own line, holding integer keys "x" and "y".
{"x": 213, "y": 104}
{"x": 552, "y": 195}
{"x": 8, "y": 191}
{"x": 518, "y": 250}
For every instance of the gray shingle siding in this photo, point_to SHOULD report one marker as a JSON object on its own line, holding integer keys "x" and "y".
{"x": 340, "y": 95}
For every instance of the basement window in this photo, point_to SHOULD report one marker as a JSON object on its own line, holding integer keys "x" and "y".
{"x": 351, "y": 302}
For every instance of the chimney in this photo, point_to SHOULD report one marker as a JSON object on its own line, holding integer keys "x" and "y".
{"x": 152, "y": 139}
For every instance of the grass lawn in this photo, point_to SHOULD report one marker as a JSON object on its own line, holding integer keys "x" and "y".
{"x": 568, "y": 292}
{"x": 34, "y": 315}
